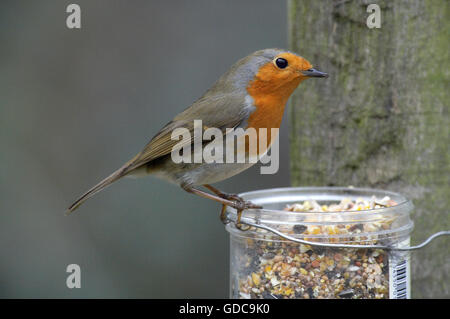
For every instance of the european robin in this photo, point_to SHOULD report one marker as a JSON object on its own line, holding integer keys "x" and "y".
{"x": 251, "y": 94}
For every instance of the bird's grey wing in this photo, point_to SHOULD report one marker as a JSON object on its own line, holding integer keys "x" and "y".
{"x": 217, "y": 110}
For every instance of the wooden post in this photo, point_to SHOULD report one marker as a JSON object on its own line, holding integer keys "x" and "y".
{"x": 382, "y": 117}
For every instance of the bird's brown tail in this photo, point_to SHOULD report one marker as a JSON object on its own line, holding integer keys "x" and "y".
{"x": 121, "y": 172}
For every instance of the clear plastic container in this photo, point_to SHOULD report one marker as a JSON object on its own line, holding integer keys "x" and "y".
{"x": 264, "y": 265}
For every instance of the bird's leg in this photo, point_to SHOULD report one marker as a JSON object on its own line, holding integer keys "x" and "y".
{"x": 223, "y": 215}
{"x": 233, "y": 197}
{"x": 201, "y": 193}
{"x": 219, "y": 193}
{"x": 238, "y": 205}
{"x": 238, "y": 221}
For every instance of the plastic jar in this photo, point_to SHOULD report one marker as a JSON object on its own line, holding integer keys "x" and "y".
{"x": 264, "y": 265}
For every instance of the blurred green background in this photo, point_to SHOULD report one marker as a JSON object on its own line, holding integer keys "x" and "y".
{"x": 77, "y": 104}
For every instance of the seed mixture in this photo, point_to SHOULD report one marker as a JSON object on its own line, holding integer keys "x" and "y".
{"x": 276, "y": 268}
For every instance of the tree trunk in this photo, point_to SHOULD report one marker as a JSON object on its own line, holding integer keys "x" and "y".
{"x": 382, "y": 117}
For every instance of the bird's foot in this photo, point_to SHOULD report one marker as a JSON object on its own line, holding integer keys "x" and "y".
{"x": 240, "y": 203}
{"x": 238, "y": 223}
{"x": 232, "y": 200}
{"x": 234, "y": 197}
{"x": 240, "y": 206}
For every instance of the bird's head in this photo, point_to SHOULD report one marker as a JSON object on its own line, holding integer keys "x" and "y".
{"x": 274, "y": 71}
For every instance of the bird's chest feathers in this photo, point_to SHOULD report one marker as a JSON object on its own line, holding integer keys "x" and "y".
{"x": 268, "y": 112}
{"x": 269, "y": 101}
{"x": 267, "y": 116}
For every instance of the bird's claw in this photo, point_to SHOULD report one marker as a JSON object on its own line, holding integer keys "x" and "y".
{"x": 241, "y": 228}
{"x": 233, "y": 197}
{"x": 240, "y": 205}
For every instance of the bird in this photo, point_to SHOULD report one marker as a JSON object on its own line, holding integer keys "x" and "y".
{"x": 252, "y": 94}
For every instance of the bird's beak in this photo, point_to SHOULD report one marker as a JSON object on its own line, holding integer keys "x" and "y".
{"x": 313, "y": 73}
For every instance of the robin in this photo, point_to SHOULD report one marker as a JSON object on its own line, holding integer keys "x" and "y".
{"x": 251, "y": 94}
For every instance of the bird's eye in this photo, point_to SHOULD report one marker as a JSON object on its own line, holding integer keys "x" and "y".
{"x": 281, "y": 63}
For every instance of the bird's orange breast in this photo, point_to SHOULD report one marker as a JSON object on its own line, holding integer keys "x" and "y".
{"x": 270, "y": 94}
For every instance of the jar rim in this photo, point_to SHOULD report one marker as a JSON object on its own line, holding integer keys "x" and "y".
{"x": 288, "y": 195}
{"x": 254, "y": 196}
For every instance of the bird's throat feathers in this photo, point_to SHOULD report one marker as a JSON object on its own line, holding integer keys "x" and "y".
{"x": 270, "y": 95}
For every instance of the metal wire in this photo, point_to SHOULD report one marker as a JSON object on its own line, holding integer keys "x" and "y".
{"x": 306, "y": 242}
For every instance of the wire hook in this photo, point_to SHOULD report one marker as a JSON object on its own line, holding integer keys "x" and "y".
{"x": 306, "y": 242}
